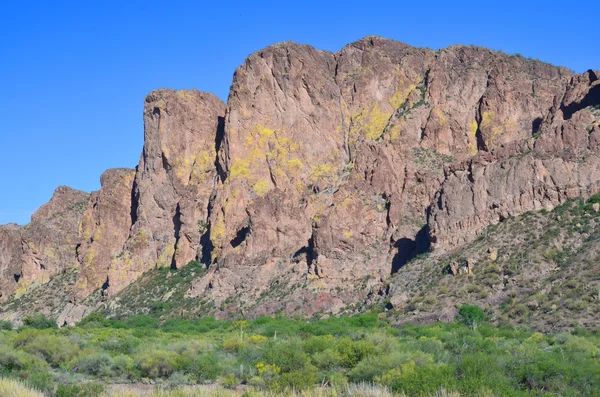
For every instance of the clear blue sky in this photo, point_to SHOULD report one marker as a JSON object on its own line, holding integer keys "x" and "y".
{"x": 74, "y": 74}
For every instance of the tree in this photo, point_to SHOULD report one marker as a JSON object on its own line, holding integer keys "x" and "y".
{"x": 471, "y": 315}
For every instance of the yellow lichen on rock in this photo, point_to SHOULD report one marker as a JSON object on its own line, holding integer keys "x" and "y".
{"x": 203, "y": 163}
{"x": 239, "y": 169}
{"x": 492, "y": 128}
{"x": 370, "y": 123}
{"x": 90, "y": 257}
{"x": 261, "y": 187}
{"x": 405, "y": 87}
{"x": 322, "y": 171}
{"x": 440, "y": 116}
{"x": 166, "y": 256}
{"x": 217, "y": 231}
{"x": 472, "y": 135}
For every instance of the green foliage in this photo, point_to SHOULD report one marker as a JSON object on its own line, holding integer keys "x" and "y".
{"x": 82, "y": 390}
{"x": 470, "y": 357}
{"x": 5, "y": 325}
{"x": 39, "y": 321}
{"x": 471, "y": 315}
{"x": 157, "y": 364}
{"x": 594, "y": 199}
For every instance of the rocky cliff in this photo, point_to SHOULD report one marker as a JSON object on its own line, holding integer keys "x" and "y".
{"x": 322, "y": 175}
{"x": 557, "y": 164}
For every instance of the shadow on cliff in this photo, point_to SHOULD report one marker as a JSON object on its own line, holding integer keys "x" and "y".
{"x": 407, "y": 249}
{"x": 592, "y": 98}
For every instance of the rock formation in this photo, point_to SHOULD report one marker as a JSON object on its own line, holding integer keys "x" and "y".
{"x": 560, "y": 164}
{"x": 324, "y": 174}
{"x": 32, "y": 254}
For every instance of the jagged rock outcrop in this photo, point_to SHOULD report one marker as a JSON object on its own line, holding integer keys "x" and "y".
{"x": 312, "y": 184}
{"x": 561, "y": 164}
{"x": 10, "y": 260}
{"x": 104, "y": 230}
{"x": 332, "y": 159}
{"x": 32, "y": 254}
{"x": 173, "y": 183}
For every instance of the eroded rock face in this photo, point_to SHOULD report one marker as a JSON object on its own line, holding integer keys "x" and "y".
{"x": 174, "y": 181}
{"x": 312, "y": 185}
{"x": 104, "y": 230}
{"x": 561, "y": 164}
{"x": 32, "y": 254}
{"x": 10, "y": 260}
{"x": 332, "y": 159}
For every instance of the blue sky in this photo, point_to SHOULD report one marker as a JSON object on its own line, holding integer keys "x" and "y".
{"x": 74, "y": 74}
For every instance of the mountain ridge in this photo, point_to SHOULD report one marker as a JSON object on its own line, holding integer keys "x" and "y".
{"x": 322, "y": 170}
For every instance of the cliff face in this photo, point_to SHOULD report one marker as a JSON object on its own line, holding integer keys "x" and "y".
{"x": 332, "y": 159}
{"x": 173, "y": 184}
{"x": 560, "y": 164}
{"x": 33, "y": 254}
{"x": 312, "y": 185}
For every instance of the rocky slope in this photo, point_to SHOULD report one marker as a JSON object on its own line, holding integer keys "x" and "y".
{"x": 320, "y": 178}
{"x": 539, "y": 269}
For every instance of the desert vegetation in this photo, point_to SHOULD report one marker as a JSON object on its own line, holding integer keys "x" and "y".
{"x": 360, "y": 355}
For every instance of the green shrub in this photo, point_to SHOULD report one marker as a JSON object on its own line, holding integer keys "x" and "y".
{"x": 328, "y": 360}
{"x": 288, "y": 355}
{"x": 94, "y": 320}
{"x": 142, "y": 322}
{"x": 416, "y": 381}
{"x": 41, "y": 380}
{"x": 206, "y": 368}
{"x": 354, "y": 351}
{"x": 39, "y": 321}
{"x": 13, "y": 360}
{"x": 95, "y": 364}
{"x": 230, "y": 381}
{"x": 471, "y": 315}
{"x": 125, "y": 344}
{"x": 123, "y": 366}
{"x": 594, "y": 199}
{"x": 81, "y": 390}
{"x": 295, "y": 380}
{"x": 157, "y": 364}
{"x": 5, "y": 325}
{"x": 55, "y": 349}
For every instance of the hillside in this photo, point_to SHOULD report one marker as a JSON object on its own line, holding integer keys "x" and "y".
{"x": 320, "y": 179}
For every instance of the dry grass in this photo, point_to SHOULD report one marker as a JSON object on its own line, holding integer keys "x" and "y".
{"x": 352, "y": 390}
{"x": 13, "y": 388}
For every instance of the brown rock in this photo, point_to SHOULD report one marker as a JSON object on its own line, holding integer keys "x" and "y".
{"x": 104, "y": 230}
{"x": 319, "y": 173}
{"x": 11, "y": 267}
{"x": 560, "y": 165}
{"x": 386, "y": 117}
{"x": 50, "y": 240}
{"x": 173, "y": 183}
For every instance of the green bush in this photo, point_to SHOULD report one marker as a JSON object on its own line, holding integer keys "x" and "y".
{"x": 14, "y": 360}
{"x": 55, "y": 349}
{"x": 289, "y": 355}
{"x": 473, "y": 359}
{"x": 471, "y": 315}
{"x": 206, "y": 368}
{"x": 594, "y": 199}
{"x": 295, "y": 380}
{"x": 95, "y": 364}
{"x": 157, "y": 364}
{"x": 39, "y": 321}
{"x": 82, "y": 390}
{"x": 5, "y": 325}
